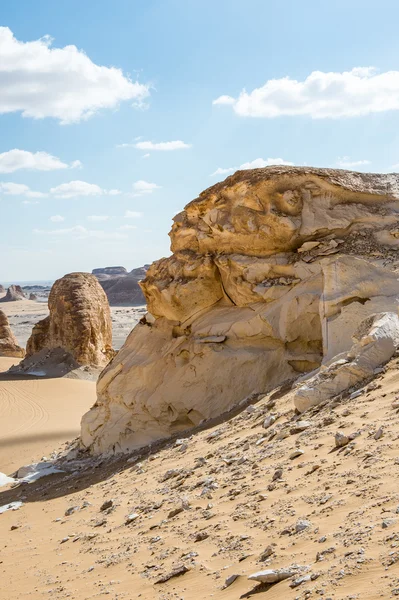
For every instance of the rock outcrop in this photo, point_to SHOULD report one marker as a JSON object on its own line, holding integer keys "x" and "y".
{"x": 32, "y": 296}
{"x": 8, "y": 343}
{"x": 2, "y": 290}
{"x": 14, "y": 293}
{"x": 79, "y": 321}
{"x": 375, "y": 341}
{"x": 272, "y": 272}
{"x": 121, "y": 287}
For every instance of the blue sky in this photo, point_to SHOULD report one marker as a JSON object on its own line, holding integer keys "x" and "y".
{"x": 175, "y": 59}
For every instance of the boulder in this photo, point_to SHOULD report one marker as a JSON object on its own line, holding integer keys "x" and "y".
{"x": 8, "y": 343}
{"x": 32, "y": 296}
{"x": 79, "y": 321}
{"x": 2, "y": 290}
{"x": 375, "y": 341}
{"x": 272, "y": 272}
{"x": 14, "y": 293}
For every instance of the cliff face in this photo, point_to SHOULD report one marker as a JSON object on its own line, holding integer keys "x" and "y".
{"x": 272, "y": 271}
{"x": 79, "y": 321}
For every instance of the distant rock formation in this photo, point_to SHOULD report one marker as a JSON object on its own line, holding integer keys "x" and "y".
{"x": 120, "y": 286}
{"x": 14, "y": 293}
{"x": 272, "y": 272}
{"x": 79, "y": 321}
{"x": 8, "y": 343}
{"x": 108, "y": 272}
{"x": 2, "y": 289}
{"x": 32, "y": 296}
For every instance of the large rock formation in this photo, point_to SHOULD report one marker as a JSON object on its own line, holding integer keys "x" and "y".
{"x": 8, "y": 343}
{"x": 2, "y": 290}
{"x": 272, "y": 272}
{"x": 14, "y": 293}
{"x": 120, "y": 286}
{"x": 79, "y": 321}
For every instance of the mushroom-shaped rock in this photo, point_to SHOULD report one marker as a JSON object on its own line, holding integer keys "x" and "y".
{"x": 79, "y": 321}
{"x": 14, "y": 293}
{"x": 8, "y": 343}
{"x": 271, "y": 273}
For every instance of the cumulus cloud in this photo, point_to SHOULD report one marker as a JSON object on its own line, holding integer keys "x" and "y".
{"x": 15, "y": 159}
{"x": 133, "y": 214}
{"x": 77, "y": 188}
{"x": 80, "y": 232}
{"x": 64, "y": 83}
{"x": 258, "y": 163}
{"x": 114, "y": 192}
{"x": 57, "y": 219}
{"x": 346, "y": 163}
{"x": 98, "y": 218}
{"x": 9, "y": 188}
{"x": 354, "y": 93}
{"x": 141, "y": 188}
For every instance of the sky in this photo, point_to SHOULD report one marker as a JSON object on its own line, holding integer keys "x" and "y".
{"x": 115, "y": 115}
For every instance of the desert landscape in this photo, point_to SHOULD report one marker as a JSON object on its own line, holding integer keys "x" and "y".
{"x": 199, "y": 300}
{"x": 238, "y": 436}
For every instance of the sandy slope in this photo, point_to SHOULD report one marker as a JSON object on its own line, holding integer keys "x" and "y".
{"x": 234, "y": 507}
{"x": 37, "y": 415}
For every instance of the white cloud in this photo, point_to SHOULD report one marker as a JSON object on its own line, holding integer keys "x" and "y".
{"x": 132, "y": 214}
{"x": 224, "y": 100}
{"x": 76, "y": 164}
{"x": 127, "y": 227}
{"x": 114, "y": 192}
{"x": 30, "y": 202}
{"x": 163, "y": 146}
{"x": 9, "y": 188}
{"x": 15, "y": 159}
{"x": 77, "y": 188}
{"x": 98, "y": 218}
{"x": 81, "y": 232}
{"x": 146, "y": 155}
{"x": 346, "y": 163}
{"x": 142, "y": 187}
{"x": 258, "y": 163}
{"x": 57, "y": 219}
{"x": 354, "y": 93}
{"x": 40, "y": 81}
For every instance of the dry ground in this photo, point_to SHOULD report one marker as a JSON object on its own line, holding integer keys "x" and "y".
{"x": 214, "y": 503}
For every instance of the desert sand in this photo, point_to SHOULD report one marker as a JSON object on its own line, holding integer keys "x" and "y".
{"x": 232, "y": 499}
{"x": 37, "y": 415}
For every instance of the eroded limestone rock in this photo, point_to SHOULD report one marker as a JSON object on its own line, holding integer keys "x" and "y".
{"x": 79, "y": 321}
{"x": 8, "y": 343}
{"x": 271, "y": 273}
{"x": 14, "y": 293}
{"x": 375, "y": 341}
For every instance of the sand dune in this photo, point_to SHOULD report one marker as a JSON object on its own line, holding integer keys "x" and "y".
{"x": 37, "y": 415}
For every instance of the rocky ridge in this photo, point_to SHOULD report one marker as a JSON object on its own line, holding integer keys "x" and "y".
{"x": 272, "y": 272}
{"x": 121, "y": 286}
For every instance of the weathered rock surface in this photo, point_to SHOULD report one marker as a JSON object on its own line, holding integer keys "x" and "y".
{"x": 79, "y": 321}
{"x": 272, "y": 272}
{"x": 120, "y": 286}
{"x": 14, "y": 293}
{"x": 375, "y": 342}
{"x": 2, "y": 290}
{"x": 32, "y": 296}
{"x": 8, "y": 343}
